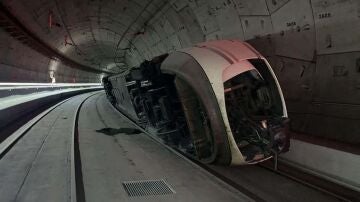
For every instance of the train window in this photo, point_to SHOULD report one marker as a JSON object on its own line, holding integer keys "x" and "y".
{"x": 250, "y": 91}
{"x": 264, "y": 70}
{"x": 252, "y": 106}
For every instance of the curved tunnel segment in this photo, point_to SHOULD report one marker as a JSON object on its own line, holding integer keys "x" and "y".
{"x": 162, "y": 64}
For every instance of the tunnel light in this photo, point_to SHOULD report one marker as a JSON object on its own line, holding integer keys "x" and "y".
{"x": 101, "y": 77}
{"x": 52, "y": 76}
{"x": 53, "y": 66}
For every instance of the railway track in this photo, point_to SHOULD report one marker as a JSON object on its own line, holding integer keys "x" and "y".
{"x": 280, "y": 168}
{"x": 54, "y": 114}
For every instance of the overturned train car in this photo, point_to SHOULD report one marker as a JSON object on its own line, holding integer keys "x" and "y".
{"x": 218, "y": 102}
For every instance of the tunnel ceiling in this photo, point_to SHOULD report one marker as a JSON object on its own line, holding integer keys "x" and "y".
{"x": 94, "y": 33}
{"x": 117, "y": 34}
{"x": 312, "y": 45}
{"x": 113, "y": 35}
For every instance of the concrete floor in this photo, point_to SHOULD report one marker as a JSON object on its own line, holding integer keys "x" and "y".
{"x": 37, "y": 168}
{"x": 110, "y": 159}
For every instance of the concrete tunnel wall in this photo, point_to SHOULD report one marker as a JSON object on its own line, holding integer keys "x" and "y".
{"x": 313, "y": 46}
{"x": 19, "y": 63}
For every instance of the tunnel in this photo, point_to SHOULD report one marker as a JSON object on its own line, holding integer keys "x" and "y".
{"x": 312, "y": 46}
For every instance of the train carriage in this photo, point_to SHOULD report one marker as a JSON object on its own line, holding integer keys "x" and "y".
{"x": 218, "y": 102}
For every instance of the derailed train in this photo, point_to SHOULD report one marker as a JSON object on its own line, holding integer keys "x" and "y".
{"x": 218, "y": 102}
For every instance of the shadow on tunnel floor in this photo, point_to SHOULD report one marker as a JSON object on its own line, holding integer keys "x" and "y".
{"x": 116, "y": 131}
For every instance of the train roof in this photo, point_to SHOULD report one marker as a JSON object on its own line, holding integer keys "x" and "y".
{"x": 232, "y": 50}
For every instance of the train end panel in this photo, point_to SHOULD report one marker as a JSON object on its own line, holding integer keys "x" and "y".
{"x": 252, "y": 138}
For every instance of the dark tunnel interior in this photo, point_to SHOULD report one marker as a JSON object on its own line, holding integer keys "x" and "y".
{"x": 313, "y": 47}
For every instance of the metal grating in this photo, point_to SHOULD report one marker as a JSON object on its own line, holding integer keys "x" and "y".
{"x": 147, "y": 187}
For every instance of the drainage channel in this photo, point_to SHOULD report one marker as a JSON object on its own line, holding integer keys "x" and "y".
{"x": 77, "y": 183}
